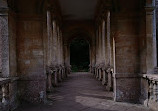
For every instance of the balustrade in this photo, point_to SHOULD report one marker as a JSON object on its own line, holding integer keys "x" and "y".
{"x": 103, "y": 73}
{"x": 152, "y": 80}
{"x": 55, "y": 74}
{"x": 4, "y": 94}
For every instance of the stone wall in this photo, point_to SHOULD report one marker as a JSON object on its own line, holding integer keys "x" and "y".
{"x": 126, "y": 26}
{"x": 30, "y": 53}
{"x": 157, "y": 24}
{"x": 0, "y": 49}
{"x": 12, "y": 45}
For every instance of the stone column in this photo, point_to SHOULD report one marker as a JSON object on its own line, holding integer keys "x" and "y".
{"x": 97, "y": 47}
{"x": 54, "y": 44}
{"x": 100, "y": 44}
{"x": 4, "y": 37}
{"x": 103, "y": 41}
{"x": 104, "y": 81}
{"x": 108, "y": 38}
{"x": 103, "y": 50}
{"x": 151, "y": 59}
{"x": 58, "y": 46}
{"x": 100, "y": 74}
{"x": 49, "y": 37}
{"x": 54, "y": 53}
{"x": 59, "y": 54}
{"x": 66, "y": 58}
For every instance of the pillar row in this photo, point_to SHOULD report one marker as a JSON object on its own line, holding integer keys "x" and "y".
{"x": 151, "y": 59}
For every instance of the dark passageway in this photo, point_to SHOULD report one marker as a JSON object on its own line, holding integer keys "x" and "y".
{"x": 51, "y": 52}
{"x": 79, "y": 55}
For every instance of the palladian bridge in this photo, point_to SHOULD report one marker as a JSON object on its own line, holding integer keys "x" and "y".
{"x": 47, "y": 47}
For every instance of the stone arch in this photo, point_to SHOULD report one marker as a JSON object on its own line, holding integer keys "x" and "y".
{"x": 83, "y": 33}
{"x": 80, "y": 34}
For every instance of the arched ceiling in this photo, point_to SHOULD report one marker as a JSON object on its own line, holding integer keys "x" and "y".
{"x": 78, "y": 9}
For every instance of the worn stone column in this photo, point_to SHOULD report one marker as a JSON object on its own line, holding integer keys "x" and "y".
{"x": 59, "y": 54}
{"x": 103, "y": 54}
{"x": 61, "y": 43}
{"x": 4, "y": 37}
{"x": 49, "y": 37}
{"x": 110, "y": 81}
{"x": 104, "y": 81}
{"x": 100, "y": 44}
{"x": 108, "y": 38}
{"x": 96, "y": 49}
{"x": 66, "y": 58}
{"x": 58, "y": 46}
{"x": 54, "y": 52}
{"x": 100, "y": 75}
{"x": 49, "y": 79}
{"x": 49, "y": 50}
{"x": 103, "y": 41}
{"x": 151, "y": 58}
{"x": 97, "y": 76}
{"x": 55, "y": 82}
{"x": 54, "y": 44}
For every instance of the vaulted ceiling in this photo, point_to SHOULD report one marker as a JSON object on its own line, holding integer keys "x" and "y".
{"x": 78, "y": 9}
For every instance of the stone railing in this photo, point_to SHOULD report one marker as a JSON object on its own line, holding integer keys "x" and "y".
{"x": 8, "y": 94}
{"x": 4, "y": 94}
{"x": 55, "y": 74}
{"x": 152, "y": 90}
{"x": 104, "y": 74}
{"x": 68, "y": 69}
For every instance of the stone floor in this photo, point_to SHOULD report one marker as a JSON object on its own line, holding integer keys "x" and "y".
{"x": 82, "y": 92}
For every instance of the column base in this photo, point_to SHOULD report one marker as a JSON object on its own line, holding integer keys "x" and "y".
{"x": 156, "y": 70}
{"x": 104, "y": 82}
{"x": 153, "y": 105}
{"x": 55, "y": 82}
{"x": 127, "y": 88}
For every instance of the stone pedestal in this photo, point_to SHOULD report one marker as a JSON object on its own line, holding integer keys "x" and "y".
{"x": 110, "y": 80}
{"x": 100, "y": 75}
{"x": 97, "y": 74}
{"x": 104, "y": 80}
{"x": 59, "y": 75}
{"x": 49, "y": 82}
{"x": 55, "y": 78}
{"x": 126, "y": 88}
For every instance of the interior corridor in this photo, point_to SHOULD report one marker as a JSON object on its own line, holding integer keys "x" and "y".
{"x": 81, "y": 92}
{"x": 37, "y": 55}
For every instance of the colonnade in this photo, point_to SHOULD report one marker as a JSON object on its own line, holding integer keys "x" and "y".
{"x": 103, "y": 68}
{"x": 55, "y": 69}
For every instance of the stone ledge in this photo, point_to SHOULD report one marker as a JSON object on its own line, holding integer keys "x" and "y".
{"x": 14, "y": 79}
{"x": 150, "y": 76}
{"x": 32, "y": 78}
{"x": 4, "y": 80}
{"x": 125, "y": 75}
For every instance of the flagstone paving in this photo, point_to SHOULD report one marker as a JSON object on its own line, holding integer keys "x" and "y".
{"x": 82, "y": 92}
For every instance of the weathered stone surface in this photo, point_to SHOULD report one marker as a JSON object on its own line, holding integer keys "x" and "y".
{"x": 31, "y": 91}
{"x": 121, "y": 36}
{"x": 30, "y": 58}
{"x": 81, "y": 92}
{"x": 127, "y": 88}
